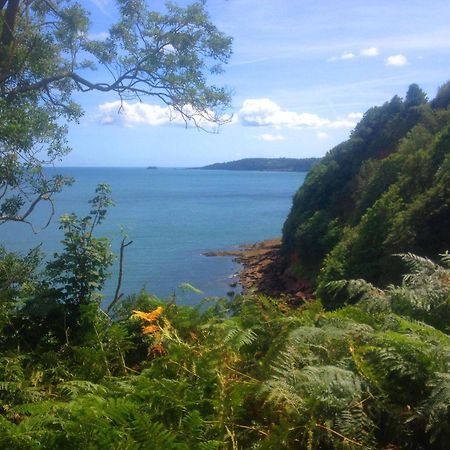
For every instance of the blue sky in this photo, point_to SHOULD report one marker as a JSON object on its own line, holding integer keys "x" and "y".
{"x": 302, "y": 73}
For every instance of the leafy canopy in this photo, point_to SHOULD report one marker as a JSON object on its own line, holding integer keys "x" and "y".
{"x": 47, "y": 54}
{"x": 383, "y": 191}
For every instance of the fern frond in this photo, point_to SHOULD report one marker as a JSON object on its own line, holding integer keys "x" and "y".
{"x": 445, "y": 258}
{"x": 10, "y": 386}
{"x": 239, "y": 337}
{"x": 342, "y": 292}
{"x": 210, "y": 445}
{"x": 417, "y": 263}
{"x": 152, "y": 435}
{"x": 317, "y": 386}
{"x": 354, "y": 423}
{"x": 437, "y": 409}
{"x": 75, "y": 388}
{"x": 34, "y": 409}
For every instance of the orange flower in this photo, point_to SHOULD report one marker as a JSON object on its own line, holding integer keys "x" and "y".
{"x": 150, "y": 329}
{"x": 149, "y": 316}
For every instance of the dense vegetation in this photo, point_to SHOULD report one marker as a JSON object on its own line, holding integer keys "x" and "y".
{"x": 243, "y": 373}
{"x": 384, "y": 191}
{"x": 267, "y": 164}
{"x": 238, "y": 373}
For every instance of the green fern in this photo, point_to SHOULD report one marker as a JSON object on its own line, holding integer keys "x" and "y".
{"x": 152, "y": 435}
{"x": 75, "y": 388}
{"x": 238, "y": 337}
{"x": 437, "y": 408}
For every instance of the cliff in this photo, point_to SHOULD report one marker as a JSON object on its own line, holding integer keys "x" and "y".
{"x": 385, "y": 190}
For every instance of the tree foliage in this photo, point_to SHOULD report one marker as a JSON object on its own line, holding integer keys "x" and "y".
{"x": 47, "y": 55}
{"x": 383, "y": 191}
{"x": 81, "y": 269}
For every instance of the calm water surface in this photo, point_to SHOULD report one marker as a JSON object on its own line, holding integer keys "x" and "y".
{"x": 172, "y": 216}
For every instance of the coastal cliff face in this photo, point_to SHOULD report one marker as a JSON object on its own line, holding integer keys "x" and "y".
{"x": 386, "y": 190}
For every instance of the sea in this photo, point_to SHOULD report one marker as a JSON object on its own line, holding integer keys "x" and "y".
{"x": 173, "y": 216}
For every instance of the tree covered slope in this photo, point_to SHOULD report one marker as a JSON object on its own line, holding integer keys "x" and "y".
{"x": 385, "y": 190}
{"x": 267, "y": 164}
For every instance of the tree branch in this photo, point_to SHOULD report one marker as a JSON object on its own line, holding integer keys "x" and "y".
{"x": 45, "y": 196}
{"x": 118, "y": 295}
{"x": 9, "y": 22}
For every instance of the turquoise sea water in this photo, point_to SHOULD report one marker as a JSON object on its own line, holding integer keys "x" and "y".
{"x": 172, "y": 216}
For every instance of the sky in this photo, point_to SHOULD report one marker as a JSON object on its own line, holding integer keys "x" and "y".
{"x": 301, "y": 75}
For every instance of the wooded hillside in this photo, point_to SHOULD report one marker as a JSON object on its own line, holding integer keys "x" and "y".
{"x": 267, "y": 164}
{"x": 384, "y": 191}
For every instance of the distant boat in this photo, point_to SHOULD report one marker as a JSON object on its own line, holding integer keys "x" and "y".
{"x": 151, "y": 167}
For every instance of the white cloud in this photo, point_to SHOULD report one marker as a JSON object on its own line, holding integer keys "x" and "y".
{"x": 355, "y": 115}
{"x": 322, "y": 135}
{"x": 132, "y": 114}
{"x": 263, "y": 112}
{"x": 370, "y": 51}
{"x": 396, "y": 60}
{"x": 344, "y": 56}
{"x": 347, "y": 55}
{"x": 140, "y": 113}
{"x": 258, "y": 112}
{"x": 169, "y": 48}
{"x": 271, "y": 137}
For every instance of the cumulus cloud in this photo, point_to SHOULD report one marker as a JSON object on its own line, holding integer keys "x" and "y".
{"x": 365, "y": 52}
{"x": 344, "y": 56}
{"x": 347, "y": 55}
{"x": 257, "y": 112}
{"x": 370, "y": 51}
{"x": 271, "y": 137}
{"x": 263, "y": 112}
{"x": 396, "y": 60}
{"x": 140, "y": 113}
{"x": 355, "y": 115}
{"x": 132, "y": 114}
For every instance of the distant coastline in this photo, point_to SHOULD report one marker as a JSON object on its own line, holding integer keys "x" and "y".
{"x": 266, "y": 164}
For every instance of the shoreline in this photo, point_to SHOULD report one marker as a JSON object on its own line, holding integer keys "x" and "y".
{"x": 262, "y": 271}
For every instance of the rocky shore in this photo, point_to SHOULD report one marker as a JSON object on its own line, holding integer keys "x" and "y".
{"x": 262, "y": 271}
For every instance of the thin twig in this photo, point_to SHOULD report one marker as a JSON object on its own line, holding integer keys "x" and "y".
{"x": 118, "y": 295}
{"x": 344, "y": 438}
